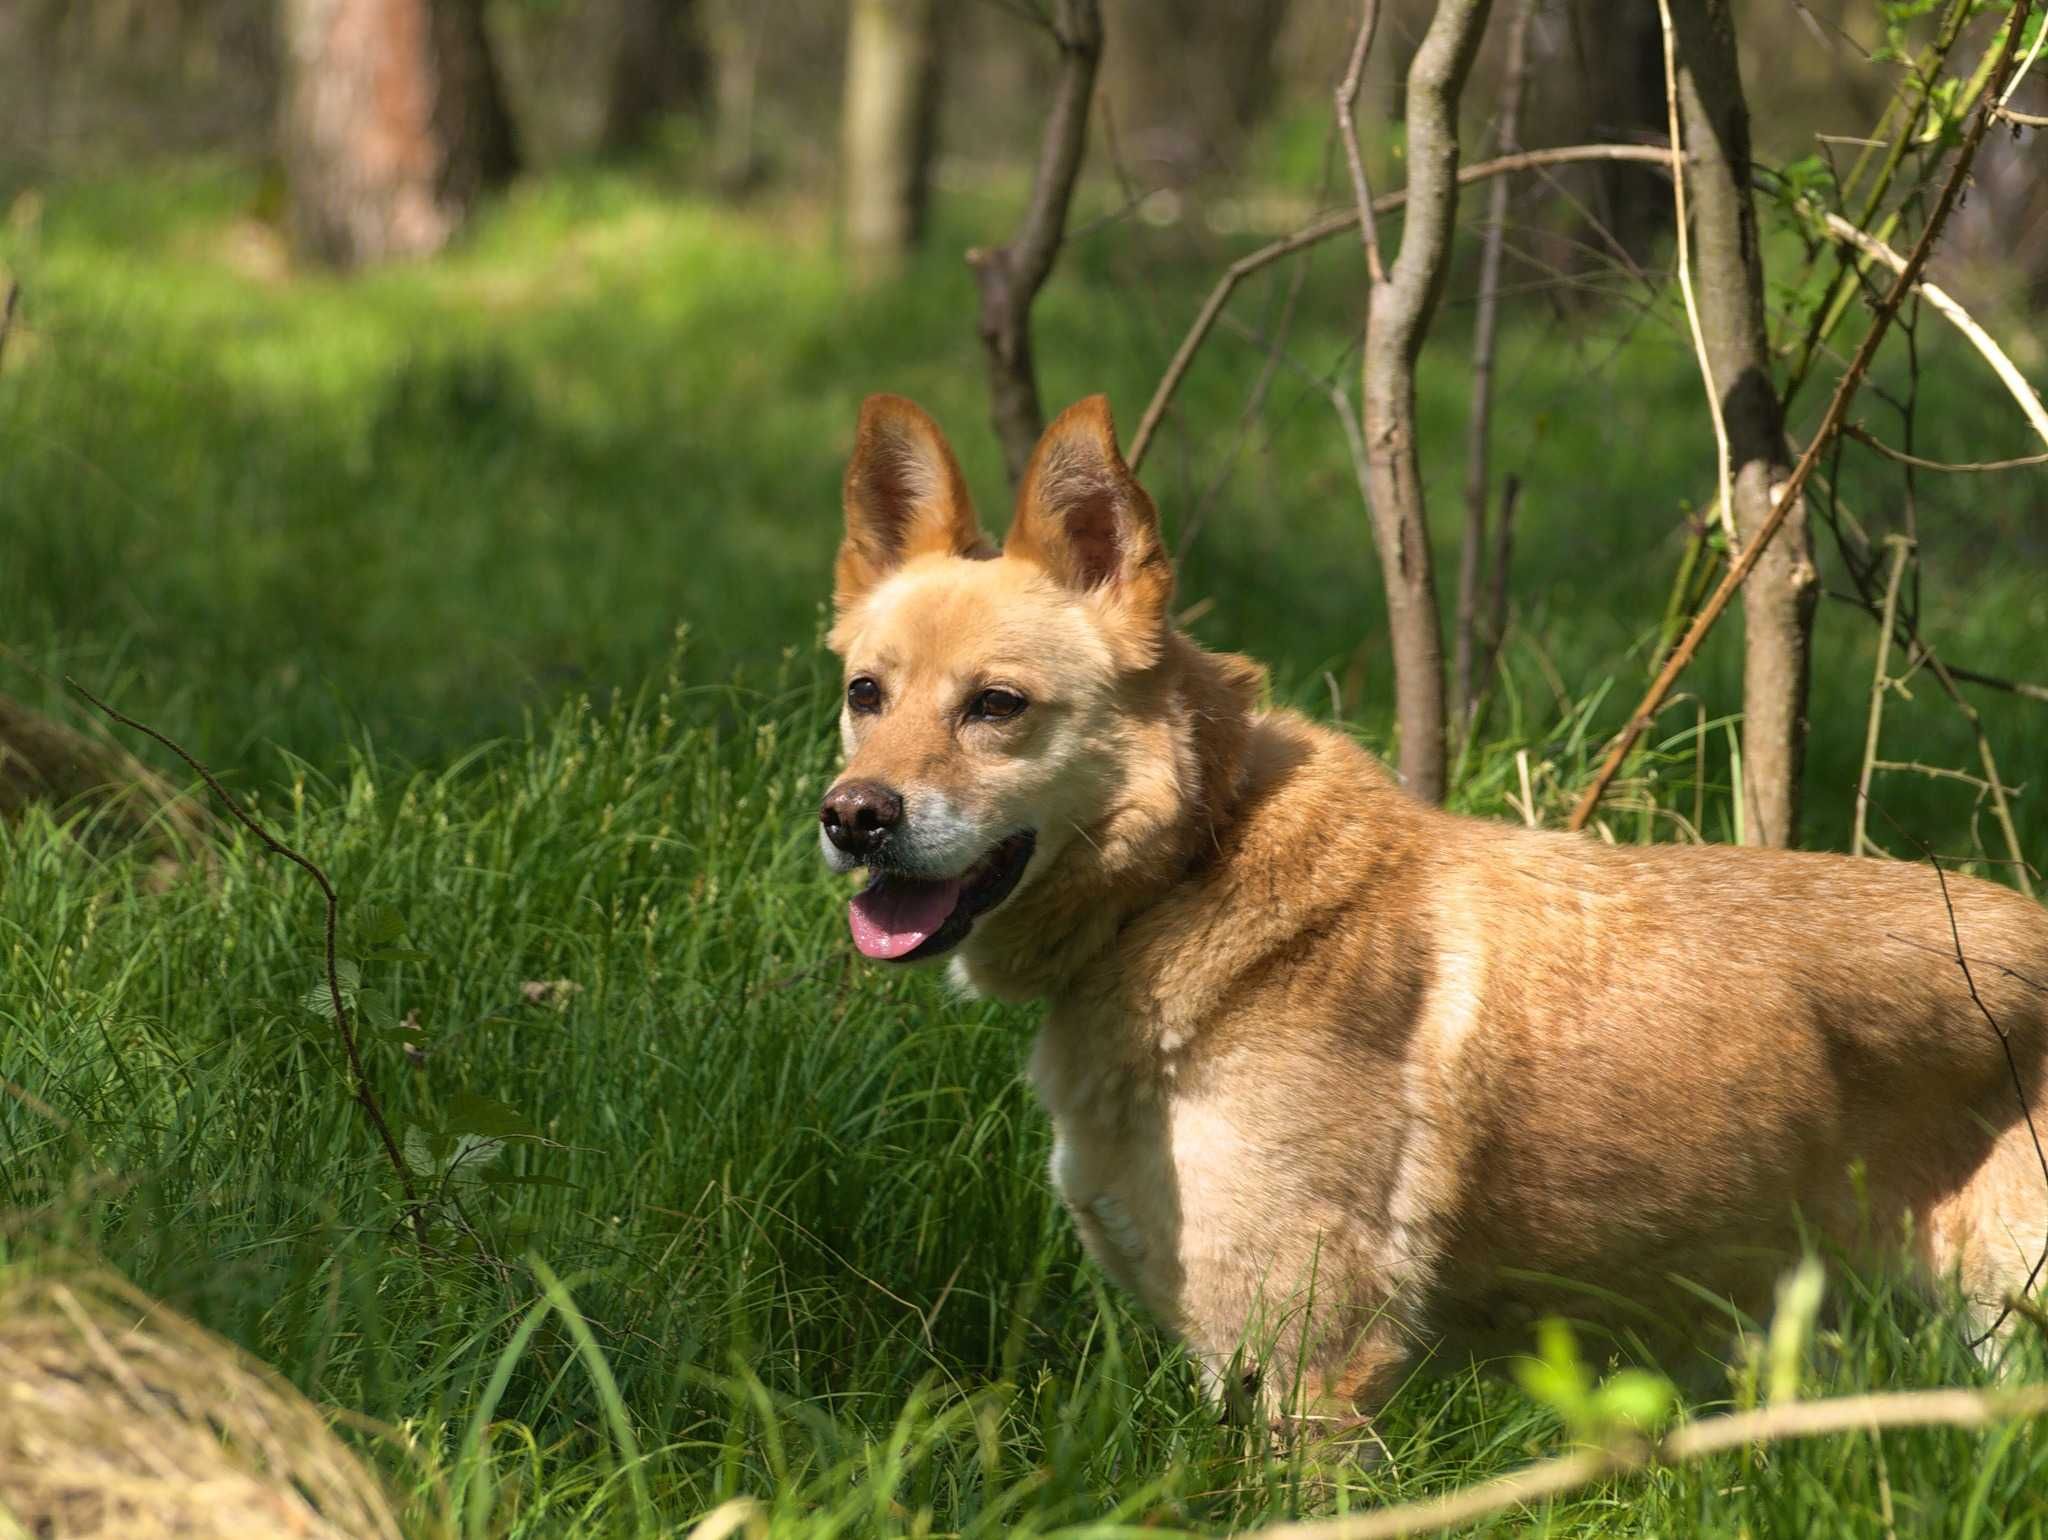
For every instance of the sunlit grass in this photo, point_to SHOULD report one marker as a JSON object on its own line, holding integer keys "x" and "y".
{"x": 784, "y": 1231}
{"x": 288, "y": 510}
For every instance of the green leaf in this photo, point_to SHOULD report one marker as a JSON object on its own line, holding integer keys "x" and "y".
{"x": 1634, "y": 1396}
{"x": 319, "y": 999}
{"x": 527, "y": 1179}
{"x": 471, "y": 1114}
{"x": 375, "y": 1009}
{"x": 397, "y": 954}
{"x": 381, "y": 924}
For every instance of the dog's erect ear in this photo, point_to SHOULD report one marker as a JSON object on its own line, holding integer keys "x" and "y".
{"x": 1083, "y": 517}
{"x": 904, "y": 497}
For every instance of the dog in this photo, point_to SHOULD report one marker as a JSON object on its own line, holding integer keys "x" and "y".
{"x": 1336, "y": 1078}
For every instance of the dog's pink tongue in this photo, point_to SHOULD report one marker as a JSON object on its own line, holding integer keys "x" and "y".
{"x": 895, "y": 916}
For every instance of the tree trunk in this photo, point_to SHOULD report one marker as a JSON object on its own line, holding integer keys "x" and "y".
{"x": 1778, "y": 601}
{"x": 889, "y": 130}
{"x": 1466, "y": 682}
{"x": 1620, "y": 59}
{"x": 655, "y": 65}
{"x": 733, "y": 33}
{"x": 394, "y": 124}
{"x": 1009, "y": 276}
{"x": 1398, "y": 322}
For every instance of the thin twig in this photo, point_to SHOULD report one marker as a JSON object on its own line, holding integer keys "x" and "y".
{"x": 1497, "y": 596}
{"x": 364, "y": 1096}
{"x": 1711, "y": 1436}
{"x": 1319, "y": 230}
{"x": 1009, "y": 276}
{"x": 1880, "y": 686}
{"x": 1724, "y": 481}
{"x": 2012, "y": 85}
{"x": 1932, "y": 772}
{"x": 2019, "y": 1085}
{"x": 1465, "y": 679}
{"x": 7, "y": 314}
{"x": 1347, "y": 130}
{"x": 2008, "y": 373}
{"x": 1870, "y": 440}
{"x": 1857, "y": 558}
{"x": 2024, "y": 119}
{"x": 1789, "y": 492}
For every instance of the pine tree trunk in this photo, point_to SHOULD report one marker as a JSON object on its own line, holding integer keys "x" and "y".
{"x": 889, "y": 133}
{"x": 1778, "y": 600}
{"x": 394, "y": 125}
{"x": 655, "y": 65}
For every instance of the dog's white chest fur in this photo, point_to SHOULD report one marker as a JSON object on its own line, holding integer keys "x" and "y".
{"x": 1162, "y": 1186}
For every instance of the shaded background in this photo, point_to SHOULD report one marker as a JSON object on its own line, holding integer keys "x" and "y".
{"x": 288, "y": 510}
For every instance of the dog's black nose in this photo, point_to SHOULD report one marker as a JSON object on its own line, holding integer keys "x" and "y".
{"x": 857, "y": 814}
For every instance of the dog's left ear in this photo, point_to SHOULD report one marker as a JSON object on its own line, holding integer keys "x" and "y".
{"x": 1083, "y": 517}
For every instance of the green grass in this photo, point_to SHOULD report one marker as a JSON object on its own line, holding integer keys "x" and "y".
{"x": 783, "y": 1228}
{"x": 398, "y": 512}
{"x": 798, "y": 1204}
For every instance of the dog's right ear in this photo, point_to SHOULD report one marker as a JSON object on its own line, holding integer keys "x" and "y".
{"x": 904, "y": 497}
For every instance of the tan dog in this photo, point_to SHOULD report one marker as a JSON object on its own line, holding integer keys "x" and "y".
{"x": 1335, "y": 1076}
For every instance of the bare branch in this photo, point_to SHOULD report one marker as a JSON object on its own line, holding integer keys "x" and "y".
{"x": 7, "y": 314}
{"x": 2012, "y": 1067}
{"x": 2008, "y": 373}
{"x": 1788, "y": 495}
{"x": 1320, "y": 230}
{"x": 1682, "y": 223}
{"x": 1865, "y": 437}
{"x": 1347, "y": 130}
{"x": 1009, "y": 276}
{"x": 1880, "y": 685}
{"x": 365, "y": 1097}
{"x": 1727, "y": 253}
{"x": 1479, "y": 428}
{"x": 2024, "y": 119}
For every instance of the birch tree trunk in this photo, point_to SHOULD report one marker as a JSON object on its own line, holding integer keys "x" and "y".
{"x": 889, "y": 132}
{"x": 1778, "y": 600}
{"x": 394, "y": 124}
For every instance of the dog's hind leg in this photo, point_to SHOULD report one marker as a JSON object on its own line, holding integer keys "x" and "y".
{"x": 1990, "y": 1236}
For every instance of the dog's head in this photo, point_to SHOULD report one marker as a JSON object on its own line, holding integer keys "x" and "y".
{"x": 989, "y": 698}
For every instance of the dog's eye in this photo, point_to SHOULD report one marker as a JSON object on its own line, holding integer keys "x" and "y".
{"x": 863, "y": 694}
{"x": 996, "y": 705}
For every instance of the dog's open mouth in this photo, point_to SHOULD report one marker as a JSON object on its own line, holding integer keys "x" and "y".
{"x": 900, "y": 918}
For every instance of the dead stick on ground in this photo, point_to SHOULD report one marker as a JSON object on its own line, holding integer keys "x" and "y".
{"x": 1714, "y": 1435}
{"x": 364, "y": 1096}
{"x": 1831, "y": 420}
{"x": 1336, "y": 224}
